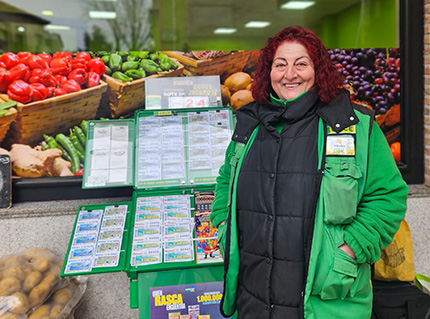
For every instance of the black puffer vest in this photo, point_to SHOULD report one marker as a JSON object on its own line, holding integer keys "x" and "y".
{"x": 275, "y": 206}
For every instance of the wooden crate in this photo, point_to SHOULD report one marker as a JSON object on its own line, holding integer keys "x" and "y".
{"x": 6, "y": 121}
{"x": 54, "y": 115}
{"x": 122, "y": 98}
{"x": 222, "y": 66}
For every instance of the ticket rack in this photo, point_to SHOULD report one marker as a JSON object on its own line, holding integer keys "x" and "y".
{"x": 162, "y": 239}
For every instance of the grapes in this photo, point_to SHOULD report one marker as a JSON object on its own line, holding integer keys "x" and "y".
{"x": 372, "y": 74}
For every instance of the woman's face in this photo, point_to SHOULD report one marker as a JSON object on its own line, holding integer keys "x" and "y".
{"x": 292, "y": 71}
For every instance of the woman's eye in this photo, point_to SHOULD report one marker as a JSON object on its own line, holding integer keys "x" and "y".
{"x": 280, "y": 66}
{"x": 301, "y": 65}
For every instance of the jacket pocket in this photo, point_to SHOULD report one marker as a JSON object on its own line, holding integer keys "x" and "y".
{"x": 336, "y": 271}
{"x": 340, "y": 190}
{"x": 341, "y": 278}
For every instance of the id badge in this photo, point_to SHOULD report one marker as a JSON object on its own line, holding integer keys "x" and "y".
{"x": 340, "y": 145}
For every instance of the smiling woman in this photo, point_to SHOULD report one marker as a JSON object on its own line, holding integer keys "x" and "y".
{"x": 293, "y": 202}
{"x": 292, "y": 71}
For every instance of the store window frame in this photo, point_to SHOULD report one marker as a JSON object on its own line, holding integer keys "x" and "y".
{"x": 411, "y": 34}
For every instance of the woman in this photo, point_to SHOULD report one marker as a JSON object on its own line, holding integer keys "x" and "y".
{"x": 309, "y": 193}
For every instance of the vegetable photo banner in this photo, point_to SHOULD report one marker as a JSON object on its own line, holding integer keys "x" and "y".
{"x": 46, "y": 99}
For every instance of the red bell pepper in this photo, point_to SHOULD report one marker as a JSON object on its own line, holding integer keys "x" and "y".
{"x": 83, "y": 55}
{"x": 2, "y": 65}
{"x": 93, "y": 79}
{"x": 59, "y": 92}
{"x": 47, "y": 78}
{"x": 60, "y": 66}
{"x": 97, "y": 65}
{"x": 79, "y": 75}
{"x": 5, "y": 80}
{"x": 35, "y": 76}
{"x": 59, "y": 55}
{"x": 9, "y": 59}
{"x": 79, "y": 172}
{"x": 60, "y": 79}
{"x": 50, "y": 90}
{"x": 20, "y": 72}
{"x": 79, "y": 63}
{"x": 71, "y": 86}
{"x": 20, "y": 91}
{"x": 24, "y": 57}
{"x": 46, "y": 57}
{"x": 40, "y": 92}
{"x": 55, "y": 91}
{"x": 36, "y": 61}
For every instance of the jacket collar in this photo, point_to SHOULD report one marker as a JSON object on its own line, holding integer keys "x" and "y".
{"x": 338, "y": 114}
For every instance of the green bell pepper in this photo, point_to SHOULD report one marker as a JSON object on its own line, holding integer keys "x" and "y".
{"x": 135, "y": 74}
{"x": 163, "y": 58}
{"x": 121, "y": 76}
{"x": 108, "y": 71}
{"x": 115, "y": 62}
{"x": 105, "y": 59}
{"x": 130, "y": 65}
{"x": 150, "y": 66}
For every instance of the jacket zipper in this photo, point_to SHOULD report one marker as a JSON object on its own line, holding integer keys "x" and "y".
{"x": 320, "y": 174}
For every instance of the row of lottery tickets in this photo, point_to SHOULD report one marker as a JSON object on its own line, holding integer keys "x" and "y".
{"x": 163, "y": 230}
{"x": 97, "y": 239}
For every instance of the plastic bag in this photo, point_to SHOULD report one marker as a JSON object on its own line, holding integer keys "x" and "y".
{"x": 30, "y": 280}
{"x": 397, "y": 259}
{"x": 423, "y": 283}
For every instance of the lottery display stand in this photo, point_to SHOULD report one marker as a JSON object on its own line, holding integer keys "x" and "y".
{"x": 162, "y": 239}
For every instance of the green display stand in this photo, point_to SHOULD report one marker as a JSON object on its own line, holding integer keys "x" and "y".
{"x": 163, "y": 236}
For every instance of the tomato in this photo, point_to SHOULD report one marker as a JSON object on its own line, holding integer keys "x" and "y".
{"x": 395, "y": 150}
{"x": 79, "y": 172}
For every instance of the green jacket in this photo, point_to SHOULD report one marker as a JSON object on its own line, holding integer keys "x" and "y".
{"x": 362, "y": 200}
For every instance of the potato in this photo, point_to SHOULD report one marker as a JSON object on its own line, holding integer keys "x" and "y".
{"x": 14, "y": 261}
{"x": 55, "y": 311}
{"x": 13, "y": 271}
{"x": 62, "y": 296}
{"x": 18, "y": 303}
{"x": 240, "y": 98}
{"x": 40, "y": 312}
{"x": 32, "y": 279}
{"x": 41, "y": 264}
{"x": 37, "y": 252}
{"x": 51, "y": 280}
{"x": 9, "y": 286}
{"x": 55, "y": 269}
{"x": 39, "y": 293}
{"x": 237, "y": 81}
{"x": 8, "y": 315}
{"x": 225, "y": 95}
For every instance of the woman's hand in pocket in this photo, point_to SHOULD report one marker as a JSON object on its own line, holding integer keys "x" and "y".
{"x": 347, "y": 250}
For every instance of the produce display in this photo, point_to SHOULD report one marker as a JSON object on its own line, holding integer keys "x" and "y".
{"x": 28, "y": 77}
{"x": 127, "y": 66}
{"x": 31, "y": 286}
{"x": 236, "y": 90}
{"x": 72, "y": 147}
{"x": 373, "y": 75}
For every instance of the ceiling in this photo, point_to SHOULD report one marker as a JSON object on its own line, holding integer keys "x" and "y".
{"x": 206, "y": 15}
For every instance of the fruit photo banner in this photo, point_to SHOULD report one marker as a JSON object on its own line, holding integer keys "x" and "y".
{"x": 46, "y": 99}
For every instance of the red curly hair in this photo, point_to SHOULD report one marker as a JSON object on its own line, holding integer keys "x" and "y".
{"x": 327, "y": 80}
